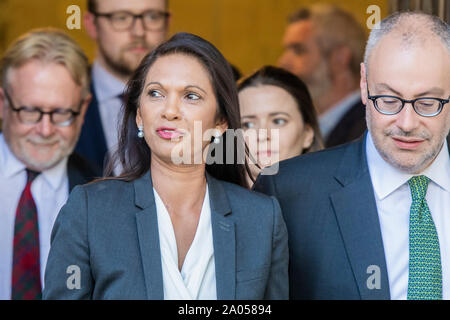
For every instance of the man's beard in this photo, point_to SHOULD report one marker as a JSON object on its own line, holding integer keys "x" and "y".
{"x": 126, "y": 66}
{"x": 421, "y": 162}
{"x": 319, "y": 83}
{"x": 65, "y": 149}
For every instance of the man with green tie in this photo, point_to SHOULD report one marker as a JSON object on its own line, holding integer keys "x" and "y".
{"x": 371, "y": 219}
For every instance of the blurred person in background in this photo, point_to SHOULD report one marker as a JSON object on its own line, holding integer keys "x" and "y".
{"x": 44, "y": 95}
{"x": 273, "y": 98}
{"x": 124, "y": 31}
{"x": 324, "y": 45}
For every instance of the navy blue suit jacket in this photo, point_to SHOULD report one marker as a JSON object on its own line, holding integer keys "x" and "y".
{"x": 92, "y": 142}
{"x": 335, "y": 242}
{"x": 80, "y": 171}
{"x": 109, "y": 230}
{"x": 350, "y": 127}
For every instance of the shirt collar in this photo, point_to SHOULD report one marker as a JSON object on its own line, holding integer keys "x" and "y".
{"x": 11, "y": 166}
{"x": 106, "y": 86}
{"x": 439, "y": 170}
{"x": 386, "y": 178}
{"x": 56, "y": 175}
{"x": 331, "y": 118}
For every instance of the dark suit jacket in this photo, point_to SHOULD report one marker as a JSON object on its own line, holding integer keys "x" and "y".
{"x": 328, "y": 203}
{"x": 350, "y": 127}
{"x": 92, "y": 142}
{"x": 109, "y": 230}
{"x": 80, "y": 171}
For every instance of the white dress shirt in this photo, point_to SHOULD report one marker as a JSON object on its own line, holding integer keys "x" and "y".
{"x": 329, "y": 120}
{"x": 197, "y": 279}
{"x": 50, "y": 191}
{"x": 107, "y": 89}
{"x": 393, "y": 199}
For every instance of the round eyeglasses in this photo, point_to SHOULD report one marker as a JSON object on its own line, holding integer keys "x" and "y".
{"x": 390, "y": 105}
{"x": 33, "y": 115}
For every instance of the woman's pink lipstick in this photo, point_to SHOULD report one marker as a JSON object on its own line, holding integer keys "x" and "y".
{"x": 168, "y": 133}
{"x": 267, "y": 153}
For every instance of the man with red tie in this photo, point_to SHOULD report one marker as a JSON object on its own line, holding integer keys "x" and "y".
{"x": 44, "y": 95}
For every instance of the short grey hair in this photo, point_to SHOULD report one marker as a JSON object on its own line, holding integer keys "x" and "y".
{"x": 47, "y": 45}
{"x": 335, "y": 27}
{"x": 412, "y": 26}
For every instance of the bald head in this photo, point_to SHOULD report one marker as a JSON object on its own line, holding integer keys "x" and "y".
{"x": 408, "y": 58}
{"x": 410, "y": 29}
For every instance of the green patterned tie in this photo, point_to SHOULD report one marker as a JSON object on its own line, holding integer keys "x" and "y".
{"x": 425, "y": 275}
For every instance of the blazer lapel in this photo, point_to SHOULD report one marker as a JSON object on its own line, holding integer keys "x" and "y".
{"x": 224, "y": 239}
{"x": 357, "y": 216}
{"x": 148, "y": 235}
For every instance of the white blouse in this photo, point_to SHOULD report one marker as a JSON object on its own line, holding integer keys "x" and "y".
{"x": 197, "y": 279}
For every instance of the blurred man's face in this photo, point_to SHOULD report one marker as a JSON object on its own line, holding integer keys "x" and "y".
{"x": 48, "y": 86}
{"x": 302, "y": 57}
{"x": 407, "y": 140}
{"x": 120, "y": 52}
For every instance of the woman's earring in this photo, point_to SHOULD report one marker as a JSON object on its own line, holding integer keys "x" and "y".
{"x": 140, "y": 132}
{"x": 217, "y": 138}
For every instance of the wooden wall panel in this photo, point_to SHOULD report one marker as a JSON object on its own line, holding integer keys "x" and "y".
{"x": 19, "y": 16}
{"x": 248, "y": 32}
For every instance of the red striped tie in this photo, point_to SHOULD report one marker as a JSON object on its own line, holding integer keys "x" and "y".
{"x": 26, "y": 276}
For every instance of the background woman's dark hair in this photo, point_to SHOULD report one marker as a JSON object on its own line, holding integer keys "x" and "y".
{"x": 134, "y": 154}
{"x": 286, "y": 80}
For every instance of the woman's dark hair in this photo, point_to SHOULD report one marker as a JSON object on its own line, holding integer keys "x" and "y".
{"x": 286, "y": 80}
{"x": 134, "y": 154}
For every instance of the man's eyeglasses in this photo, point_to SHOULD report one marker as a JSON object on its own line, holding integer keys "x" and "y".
{"x": 33, "y": 115}
{"x": 153, "y": 20}
{"x": 390, "y": 105}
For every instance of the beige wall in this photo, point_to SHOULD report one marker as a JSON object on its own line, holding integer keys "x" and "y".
{"x": 19, "y": 16}
{"x": 248, "y": 32}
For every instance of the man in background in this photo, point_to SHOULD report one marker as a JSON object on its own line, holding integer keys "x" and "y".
{"x": 323, "y": 45}
{"x": 124, "y": 31}
{"x": 44, "y": 95}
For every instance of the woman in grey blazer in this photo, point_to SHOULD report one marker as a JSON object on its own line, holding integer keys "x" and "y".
{"x": 177, "y": 223}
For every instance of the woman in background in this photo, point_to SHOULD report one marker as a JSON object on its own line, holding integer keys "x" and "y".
{"x": 272, "y": 98}
{"x": 166, "y": 229}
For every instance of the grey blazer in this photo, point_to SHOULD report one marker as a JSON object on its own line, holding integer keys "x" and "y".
{"x": 107, "y": 234}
